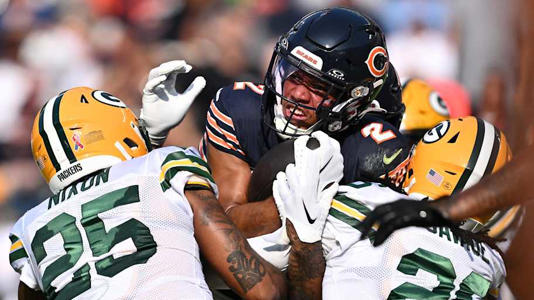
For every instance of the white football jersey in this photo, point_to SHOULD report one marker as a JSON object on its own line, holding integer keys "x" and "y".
{"x": 124, "y": 232}
{"x": 414, "y": 263}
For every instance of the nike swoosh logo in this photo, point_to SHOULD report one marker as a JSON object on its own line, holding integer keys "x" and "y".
{"x": 310, "y": 220}
{"x": 325, "y": 165}
{"x": 388, "y": 159}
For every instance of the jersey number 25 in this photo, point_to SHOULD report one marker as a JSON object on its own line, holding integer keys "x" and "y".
{"x": 100, "y": 242}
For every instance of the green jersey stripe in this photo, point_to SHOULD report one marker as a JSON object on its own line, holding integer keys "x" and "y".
{"x": 13, "y": 238}
{"x": 355, "y": 204}
{"x": 344, "y": 217}
{"x": 349, "y": 220}
{"x": 171, "y": 172}
{"x": 16, "y": 255}
{"x": 179, "y": 155}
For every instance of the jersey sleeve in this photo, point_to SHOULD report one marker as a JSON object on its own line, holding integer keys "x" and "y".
{"x": 183, "y": 169}
{"x": 18, "y": 257}
{"x": 220, "y": 130}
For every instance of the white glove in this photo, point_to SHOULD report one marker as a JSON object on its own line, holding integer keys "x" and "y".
{"x": 163, "y": 107}
{"x": 304, "y": 192}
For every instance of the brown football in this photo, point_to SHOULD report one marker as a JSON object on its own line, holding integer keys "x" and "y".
{"x": 275, "y": 160}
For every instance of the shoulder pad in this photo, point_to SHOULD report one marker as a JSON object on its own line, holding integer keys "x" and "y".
{"x": 234, "y": 119}
{"x": 240, "y": 100}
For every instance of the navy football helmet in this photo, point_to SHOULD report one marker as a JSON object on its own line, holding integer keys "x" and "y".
{"x": 388, "y": 102}
{"x": 337, "y": 53}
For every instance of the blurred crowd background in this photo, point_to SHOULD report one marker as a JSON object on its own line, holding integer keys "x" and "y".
{"x": 467, "y": 49}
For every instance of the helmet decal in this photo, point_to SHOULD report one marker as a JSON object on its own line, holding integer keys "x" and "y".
{"x": 437, "y": 103}
{"x": 434, "y": 177}
{"x": 374, "y": 66}
{"x": 77, "y": 139}
{"x": 107, "y": 98}
{"x": 436, "y": 133}
{"x": 336, "y": 74}
{"x": 307, "y": 57}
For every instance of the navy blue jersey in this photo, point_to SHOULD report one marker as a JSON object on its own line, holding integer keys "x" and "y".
{"x": 372, "y": 150}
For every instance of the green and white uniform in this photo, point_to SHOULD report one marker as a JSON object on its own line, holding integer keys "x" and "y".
{"x": 124, "y": 232}
{"x": 414, "y": 263}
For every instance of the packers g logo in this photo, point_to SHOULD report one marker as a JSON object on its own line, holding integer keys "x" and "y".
{"x": 436, "y": 133}
{"x": 377, "y": 61}
{"x": 108, "y": 99}
{"x": 438, "y": 105}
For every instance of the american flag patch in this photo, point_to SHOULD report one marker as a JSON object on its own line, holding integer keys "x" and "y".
{"x": 434, "y": 177}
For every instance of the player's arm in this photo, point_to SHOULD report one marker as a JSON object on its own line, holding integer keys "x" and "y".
{"x": 228, "y": 252}
{"x": 306, "y": 267}
{"x": 232, "y": 176}
{"x": 303, "y": 194}
{"x": 509, "y": 186}
{"x": 26, "y": 293}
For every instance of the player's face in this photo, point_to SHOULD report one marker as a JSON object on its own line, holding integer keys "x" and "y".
{"x": 307, "y": 91}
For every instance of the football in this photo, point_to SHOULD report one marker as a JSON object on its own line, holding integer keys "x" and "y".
{"x": 275, "y": 160}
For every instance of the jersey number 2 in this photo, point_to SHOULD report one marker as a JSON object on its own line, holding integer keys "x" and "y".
{"x": 100, "y": 242}
{"x": 375, "y": 131}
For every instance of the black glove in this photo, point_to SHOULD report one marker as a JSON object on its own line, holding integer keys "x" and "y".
{"x": 400, "y": 214}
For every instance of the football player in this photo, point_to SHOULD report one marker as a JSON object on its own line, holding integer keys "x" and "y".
{"x": 125, "y": 222}
{"x": 323, "y": 75}
{"x": 421, "y": 263}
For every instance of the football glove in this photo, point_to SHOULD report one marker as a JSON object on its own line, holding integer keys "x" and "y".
{"x": 400, "y": 214}
{"x": 163, "y": 107}
{"x": 304, "y": 192}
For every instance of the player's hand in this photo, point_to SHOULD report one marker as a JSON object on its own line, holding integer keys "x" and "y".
{"x": 163, "y": 107}
{"x": 400, "y": 214}
{"x": 304, "y": 192}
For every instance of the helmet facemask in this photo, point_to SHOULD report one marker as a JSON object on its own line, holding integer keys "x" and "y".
{"x": 340, "y": 105}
